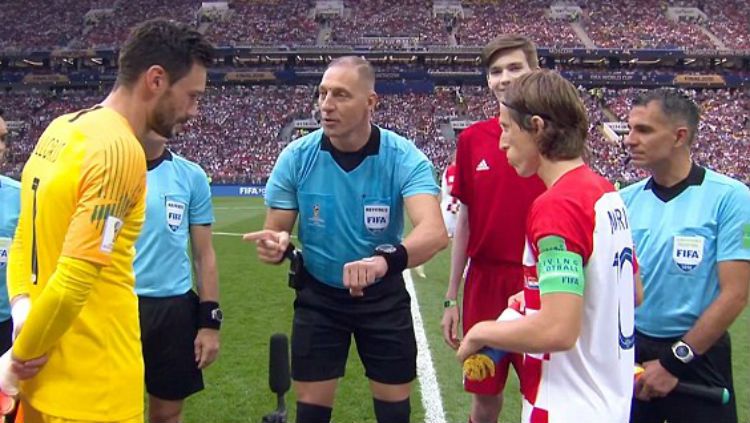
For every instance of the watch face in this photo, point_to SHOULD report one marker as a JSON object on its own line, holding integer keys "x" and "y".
{"x": 682, "y": 351}
{"x": 217, "y": 315}
{"x": 385, "y": 248}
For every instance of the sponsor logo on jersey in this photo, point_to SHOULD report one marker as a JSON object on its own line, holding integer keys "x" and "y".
{"x": 687, "y": 252}
{"x": 377, "y": 217}
{"x": 482, "y": 166}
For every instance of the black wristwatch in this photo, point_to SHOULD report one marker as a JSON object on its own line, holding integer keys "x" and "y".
{"x": 210, "y": 315}
{"x": 395, "y": 256}
{"x": 217, "y": 315}
{"x": 385, "y": 250}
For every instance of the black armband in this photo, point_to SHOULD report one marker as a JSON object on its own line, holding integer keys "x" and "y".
{"x": 395, "y": 256}
{"x": 210, "y": 315}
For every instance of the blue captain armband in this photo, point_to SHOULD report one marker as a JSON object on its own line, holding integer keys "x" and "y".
{"x": 558, "y": 269}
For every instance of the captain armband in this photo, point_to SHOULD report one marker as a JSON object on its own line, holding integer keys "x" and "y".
{"x": 558, "y": 269}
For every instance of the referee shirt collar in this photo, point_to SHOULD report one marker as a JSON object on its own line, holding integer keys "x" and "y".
{"x": 153, "y": 164}
{"x": 350, "y": 160}
{"x": 695, "y": 177}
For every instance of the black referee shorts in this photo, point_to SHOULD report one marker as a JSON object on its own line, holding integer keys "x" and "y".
{"x": 168, "y": 329}
{"x": 714, "y": 368}
{"x": 325, "y": 318}
{"x": 6, "y": 335}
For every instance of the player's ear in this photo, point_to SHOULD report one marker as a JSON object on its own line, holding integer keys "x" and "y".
{"x": 156, "y": 79}
{"x": 537, "y": 125}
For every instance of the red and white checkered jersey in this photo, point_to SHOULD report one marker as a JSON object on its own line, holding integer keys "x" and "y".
{"x": 593, "y": 381}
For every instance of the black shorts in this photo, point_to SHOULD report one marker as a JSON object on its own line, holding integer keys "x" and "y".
{"x": 168, "y": 329}
{"x": 325, "y": 318}
{"x": 6, "y": 335}
{"x": 714, "y": 368}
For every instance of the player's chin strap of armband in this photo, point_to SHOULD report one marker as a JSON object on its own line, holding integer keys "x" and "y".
{"x": 296, "y": 266}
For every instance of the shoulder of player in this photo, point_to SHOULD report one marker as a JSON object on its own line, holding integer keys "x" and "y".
{"x": 9, "y": 183}
{"x": 188, "y": 170}
{"x": 393, "y": 141}
{"x": 714, "y": 180}
{"x": 481, "y": 130}
{"x": 631, "y": 190}
{"x": 187, "y": 164}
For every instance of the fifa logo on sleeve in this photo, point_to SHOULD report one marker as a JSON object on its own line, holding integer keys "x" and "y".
{"x": 112, "y": 227}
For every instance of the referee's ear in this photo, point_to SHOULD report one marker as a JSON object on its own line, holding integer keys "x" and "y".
{"x": 682, "y": 137}
{"x": 372, "y": 101}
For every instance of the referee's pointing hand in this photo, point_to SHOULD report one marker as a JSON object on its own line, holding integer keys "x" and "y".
{"x": 270, "y": 244}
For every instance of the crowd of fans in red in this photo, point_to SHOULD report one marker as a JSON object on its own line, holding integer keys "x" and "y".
{"x": 242, "y": 129}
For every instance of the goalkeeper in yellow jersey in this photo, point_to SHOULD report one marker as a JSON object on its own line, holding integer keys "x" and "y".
{"x": 82, "y": 206}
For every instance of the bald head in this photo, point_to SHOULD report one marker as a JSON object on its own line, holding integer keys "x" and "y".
{"x": 364, "y": 69}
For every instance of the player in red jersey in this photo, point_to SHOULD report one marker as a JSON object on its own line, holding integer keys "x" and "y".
{"x": 491, "y": 222}
{"x": 578, "y": 332}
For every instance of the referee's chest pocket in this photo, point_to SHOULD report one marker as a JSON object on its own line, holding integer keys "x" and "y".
{"x": 176, "y": 209}
{"x": 692, "y": 252}
{"x": 376, "y": 216}
{"x": 317, "y": 216}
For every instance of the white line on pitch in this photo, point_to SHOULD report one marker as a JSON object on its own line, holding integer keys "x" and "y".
{"x": 239, "y": 208}
{"x": 428, "y": 384}
{"x": 238, "y": 234}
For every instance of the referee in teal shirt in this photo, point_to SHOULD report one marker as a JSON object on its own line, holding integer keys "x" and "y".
{"x": 348, "y": 186}
{"x": 691, "y": 228}
{"x": 179, "y": 327}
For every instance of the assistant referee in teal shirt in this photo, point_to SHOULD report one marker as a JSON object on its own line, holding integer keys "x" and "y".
{"x": 691, "y": 228}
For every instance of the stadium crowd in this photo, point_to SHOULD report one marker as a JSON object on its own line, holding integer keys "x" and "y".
{"x": 242, "y": 129}
{"x": 530, "y": 20}
{"x": 639, "y": 24}
{"x": 37, "y": 24}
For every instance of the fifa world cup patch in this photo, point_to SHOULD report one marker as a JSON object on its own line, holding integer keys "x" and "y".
{"x": 112, "y": 227}
{"x": 377, "y": 217}
{"x": 687, "y": 252}
{"x": 4, "y": 248}
{"x": 175, "y": 214}
{"x": 746, "y": 236}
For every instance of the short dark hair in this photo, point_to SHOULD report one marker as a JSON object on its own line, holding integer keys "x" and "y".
{"x": 171, "y": 45}
{"x": 508, "y": 42}
{"x": 675, "y": 105}
{"x": 363, "y": 67}
{"x": 550, "y": 96}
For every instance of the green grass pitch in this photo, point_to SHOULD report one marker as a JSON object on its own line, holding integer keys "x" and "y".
{"x": 257, "y": 303}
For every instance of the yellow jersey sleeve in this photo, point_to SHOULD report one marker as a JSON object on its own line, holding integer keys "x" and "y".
{"x": 18, "y": 271}
{"x": 110, "y": 184}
